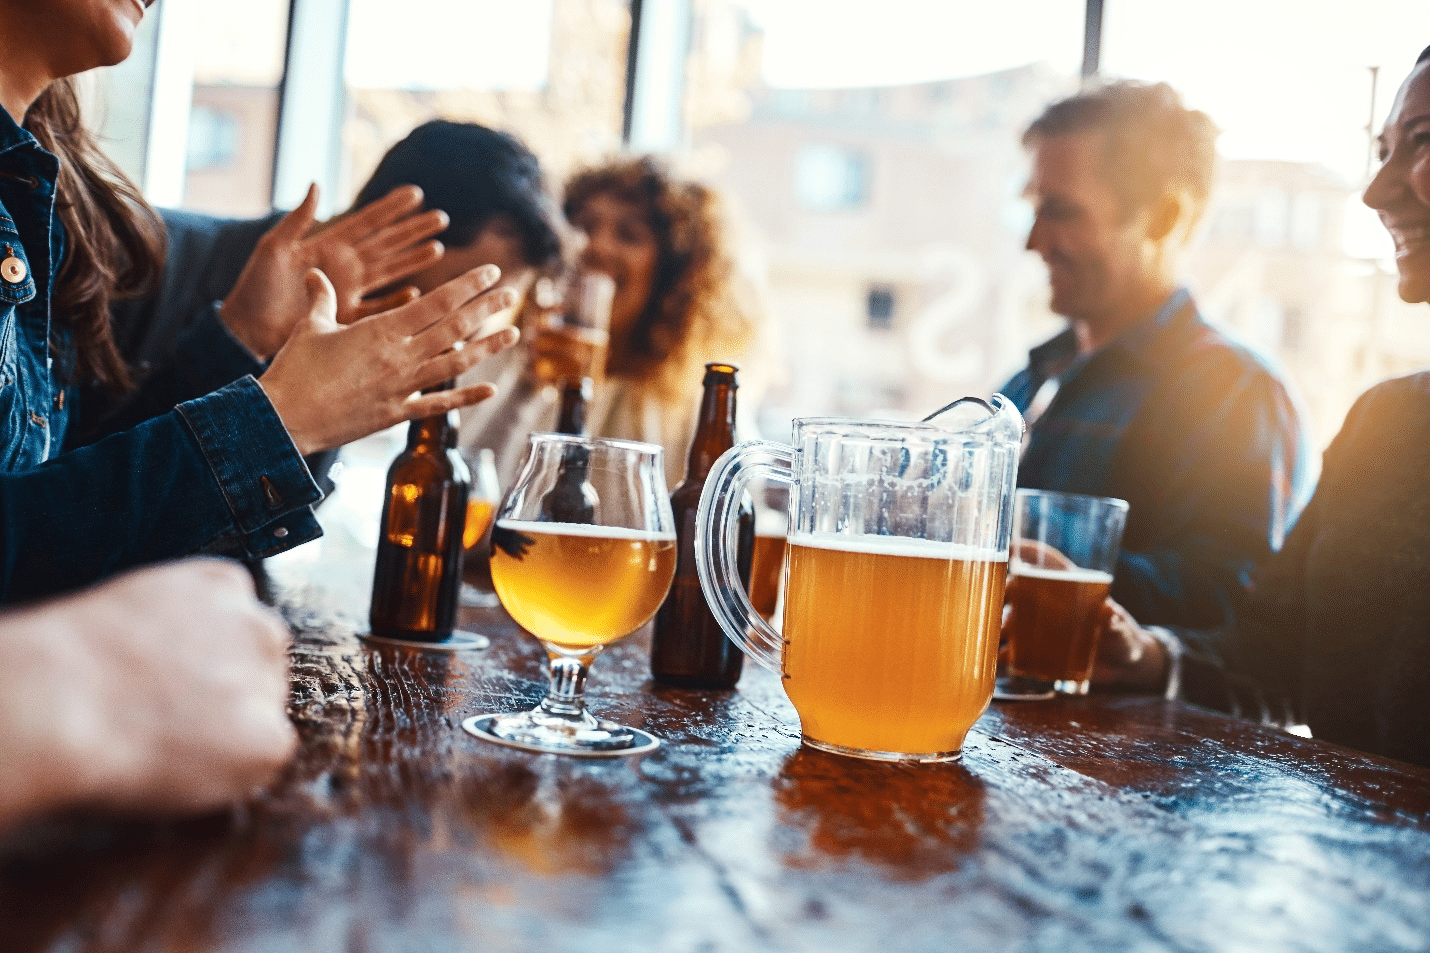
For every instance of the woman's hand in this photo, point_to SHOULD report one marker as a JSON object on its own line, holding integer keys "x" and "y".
{"x": 333, "y": 384}
{"x": 361, "y": 252}
{"x": 164, "y": 689}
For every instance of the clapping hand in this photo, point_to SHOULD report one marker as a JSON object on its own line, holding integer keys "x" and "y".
{"x": 331, "y": 384}
{"x": 361, "y": 252}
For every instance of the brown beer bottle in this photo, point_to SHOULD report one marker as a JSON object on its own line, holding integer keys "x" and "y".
{"x": 688, "y": 648}
{"x": 418, "y": 578}
{"x": 575, "y": 395}
{"x": 572, "y": 499}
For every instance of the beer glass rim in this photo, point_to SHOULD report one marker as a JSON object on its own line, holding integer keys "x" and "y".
{"x": 1078, "y": 498}
{"x": 886, "y": 431}
{"x": 611, "y": 443}
{"x": 869, "y": 428}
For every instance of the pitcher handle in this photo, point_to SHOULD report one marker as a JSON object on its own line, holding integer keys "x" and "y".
{"x": 716, "y": 545}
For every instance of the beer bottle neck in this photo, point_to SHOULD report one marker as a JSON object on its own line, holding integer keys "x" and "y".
{"x": 437, "y": 432}
{"x": 575, "y": 395}
{"x": 715, "y": 429}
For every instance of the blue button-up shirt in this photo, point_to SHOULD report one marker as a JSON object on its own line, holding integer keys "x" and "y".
{"x": 1196, "y": 433}
{"x": 218, "y": 471}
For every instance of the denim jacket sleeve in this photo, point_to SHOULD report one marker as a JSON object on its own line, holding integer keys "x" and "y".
{"x": 220, "y": 470}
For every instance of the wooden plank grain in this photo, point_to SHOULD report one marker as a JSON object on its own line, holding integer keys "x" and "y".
{"x": 1086, "y": 825}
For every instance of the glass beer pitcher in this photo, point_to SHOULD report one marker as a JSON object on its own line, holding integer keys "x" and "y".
{"x": 898, "y": 557}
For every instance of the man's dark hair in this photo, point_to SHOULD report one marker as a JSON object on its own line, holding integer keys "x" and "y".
{"x": 1424, "y": 55}
{"x": 1151, "y": 142}
{"x": 473, "y": 174}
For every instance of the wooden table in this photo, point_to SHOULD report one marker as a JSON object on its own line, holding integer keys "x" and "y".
{"x": 1092, "y": 824}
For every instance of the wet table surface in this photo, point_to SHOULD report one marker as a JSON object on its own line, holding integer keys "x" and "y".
{"x": 1088, "y": 824}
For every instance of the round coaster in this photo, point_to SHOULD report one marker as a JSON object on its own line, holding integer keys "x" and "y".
{"x": 459, "y": 642}
{"x": 478, "y": 725}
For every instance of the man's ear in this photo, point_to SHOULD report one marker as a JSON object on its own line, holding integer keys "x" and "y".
{"x": 1167, "y": 213}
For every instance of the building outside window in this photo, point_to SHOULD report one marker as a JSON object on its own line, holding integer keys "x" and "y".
{"x": 881, "y": 305}
{"x": 830, "y": 178}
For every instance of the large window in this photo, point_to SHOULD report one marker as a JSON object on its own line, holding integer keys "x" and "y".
{"x": 873, "y": 150}
{"x": 233, "y": 118}
{"x": 192, "y": 114}
{"x": 550, "y": 71}
{"x": 1291, "y": 260}
{"x": 864, "y": 144}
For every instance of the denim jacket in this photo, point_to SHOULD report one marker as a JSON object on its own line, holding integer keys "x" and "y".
{"x": 219, "y": 471}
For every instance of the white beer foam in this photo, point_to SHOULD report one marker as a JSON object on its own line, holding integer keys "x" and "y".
{"x": 584, "y": 529}
{"x": 898, "y": 546}
{"x": 1076, "y": 574}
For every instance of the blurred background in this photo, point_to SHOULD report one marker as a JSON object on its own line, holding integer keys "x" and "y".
{"x": 869, "y": 147}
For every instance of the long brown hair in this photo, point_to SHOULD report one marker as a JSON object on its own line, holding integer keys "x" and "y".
{"x": 696, "y": 310}
{"x": 114, "y": 242}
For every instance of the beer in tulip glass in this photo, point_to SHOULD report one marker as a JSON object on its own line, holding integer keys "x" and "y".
{"x": 583, "y": 552}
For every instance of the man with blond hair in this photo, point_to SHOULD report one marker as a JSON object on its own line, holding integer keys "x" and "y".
{"x": 1139, "y": 398}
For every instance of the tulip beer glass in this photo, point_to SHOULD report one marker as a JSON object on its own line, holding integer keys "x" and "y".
{"x": 898, "y": 553}
{"x": 583, "y": 552}
{"x": 1064, "y": 551}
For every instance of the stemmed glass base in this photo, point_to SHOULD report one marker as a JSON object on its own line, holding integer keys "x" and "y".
{"x": 561, "y": 724}
{"x": 538, "y": 731}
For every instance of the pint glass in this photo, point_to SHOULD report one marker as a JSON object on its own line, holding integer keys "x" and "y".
{"x": 1064, "y": 551}
{"x": 898, "y": 548}
{"x": 570, "y": 342}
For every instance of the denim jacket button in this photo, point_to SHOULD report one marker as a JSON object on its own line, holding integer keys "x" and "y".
{"x": 280, "y": 532}
{"x": 13, "y": 270}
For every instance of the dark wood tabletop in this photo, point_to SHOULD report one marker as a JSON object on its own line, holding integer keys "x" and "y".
{"x": 1085, "y": 824}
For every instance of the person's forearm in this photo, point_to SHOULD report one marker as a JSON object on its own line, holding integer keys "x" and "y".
{"x": 217, "y": 468}
{"x": 1181, "y": 586}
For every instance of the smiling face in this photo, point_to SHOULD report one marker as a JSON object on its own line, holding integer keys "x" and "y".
{"x": 621, "y": 243}
{"x": 1094, "y": 249}
{"x": 1400, "y": 191}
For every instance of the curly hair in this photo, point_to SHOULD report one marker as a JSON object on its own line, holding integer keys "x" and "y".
{"x": 696, "y": 306}
{"x": 1151, "y": 141}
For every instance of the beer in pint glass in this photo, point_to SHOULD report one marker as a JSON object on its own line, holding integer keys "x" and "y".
{"x": 1064, "y": 551}
{"x": 569, "y": 343}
